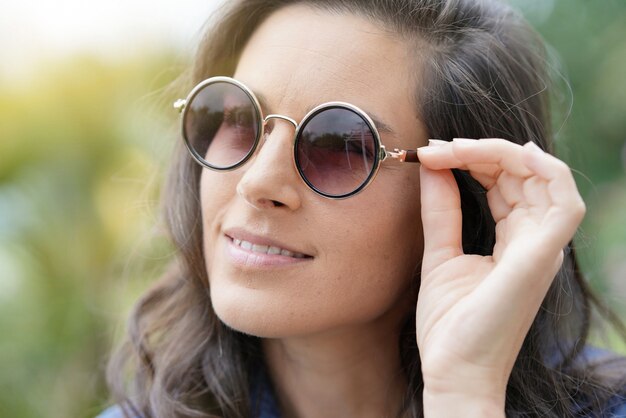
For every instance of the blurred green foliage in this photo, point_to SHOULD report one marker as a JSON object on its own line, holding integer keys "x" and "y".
{"x": 589, "y": 40}
{"x": 79, "y": 175}
{"x": 83, "y": 146}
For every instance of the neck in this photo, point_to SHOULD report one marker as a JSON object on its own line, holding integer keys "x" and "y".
{"x": 353, "y": 372}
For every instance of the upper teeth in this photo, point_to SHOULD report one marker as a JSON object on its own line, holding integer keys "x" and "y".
{"x": 266, "y": 249}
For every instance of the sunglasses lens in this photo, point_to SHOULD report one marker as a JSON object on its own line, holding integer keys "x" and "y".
{"x": 221, "y": 125}
{"x": 336, "y": 151}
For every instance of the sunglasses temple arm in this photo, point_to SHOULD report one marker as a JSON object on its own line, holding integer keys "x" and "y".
{"x": 403, "y": 155}
{"x": 411, "y": 157}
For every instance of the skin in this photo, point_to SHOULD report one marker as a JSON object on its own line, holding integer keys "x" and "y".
{"x": 330, "y": 322}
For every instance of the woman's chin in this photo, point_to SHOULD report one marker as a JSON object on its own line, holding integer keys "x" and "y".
{"x": 281, "y": 317}
{"x": 257, "y": 317}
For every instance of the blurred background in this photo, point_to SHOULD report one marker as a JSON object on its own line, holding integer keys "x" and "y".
{"x": 85, "y": 130}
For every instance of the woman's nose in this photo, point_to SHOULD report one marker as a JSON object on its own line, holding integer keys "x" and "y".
{"x": 270, "y": 179}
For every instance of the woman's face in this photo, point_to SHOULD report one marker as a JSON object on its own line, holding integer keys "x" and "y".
{"x": 352, "y": 260}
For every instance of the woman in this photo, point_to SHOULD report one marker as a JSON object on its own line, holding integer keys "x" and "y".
{"x": 323, "y": 274}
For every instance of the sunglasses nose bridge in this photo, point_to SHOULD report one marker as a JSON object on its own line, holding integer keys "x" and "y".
{"x": 285, "y": 118}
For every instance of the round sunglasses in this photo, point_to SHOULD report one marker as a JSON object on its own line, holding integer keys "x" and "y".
{"x": 336, "y": 149}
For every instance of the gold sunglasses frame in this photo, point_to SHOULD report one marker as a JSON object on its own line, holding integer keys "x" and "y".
{"x": 381, "y": 154}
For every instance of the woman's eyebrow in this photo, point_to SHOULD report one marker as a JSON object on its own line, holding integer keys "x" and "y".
{"x": 381, "y": 126}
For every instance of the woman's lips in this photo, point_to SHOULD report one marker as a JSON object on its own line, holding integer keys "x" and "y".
{"x": 250, "y": 239}
{"x": 266, "y": 249}
{"x": 255, "y": 255}
{"x": 248, "y": 249}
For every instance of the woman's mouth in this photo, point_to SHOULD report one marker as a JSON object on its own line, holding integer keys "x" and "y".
{"x": 250, "y": 250}
{"x": 266, "y": 249}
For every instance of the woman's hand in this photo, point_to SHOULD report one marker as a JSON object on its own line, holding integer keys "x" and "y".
{"x": 473, "y": 312}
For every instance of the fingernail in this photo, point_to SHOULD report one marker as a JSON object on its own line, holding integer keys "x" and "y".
{"x": 463, "y": 140}
{"x": 532, "y": 146}
{"x": 436, "y": 142}
{"x": 428, "y": 150}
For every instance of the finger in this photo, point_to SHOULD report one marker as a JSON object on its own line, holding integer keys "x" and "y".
{"x": 497, "y": 204}
{"x": 535, "y": 190}
{"x": 512, "y": 189}
{"x": 502, "y": 239}
{"x": 567, "y": 208}
{"x": 561, "y": 185}
{"x": 483, "y": 156}
{"x": 441, "y": 217}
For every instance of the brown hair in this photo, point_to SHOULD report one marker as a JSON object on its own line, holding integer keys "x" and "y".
{"x": 483, "y": 74}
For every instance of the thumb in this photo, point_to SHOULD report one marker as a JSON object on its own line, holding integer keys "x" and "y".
{"x": 441, "y": 217}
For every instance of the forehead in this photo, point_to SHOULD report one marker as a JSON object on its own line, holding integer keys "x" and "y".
{"x": 301, "y": 56}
